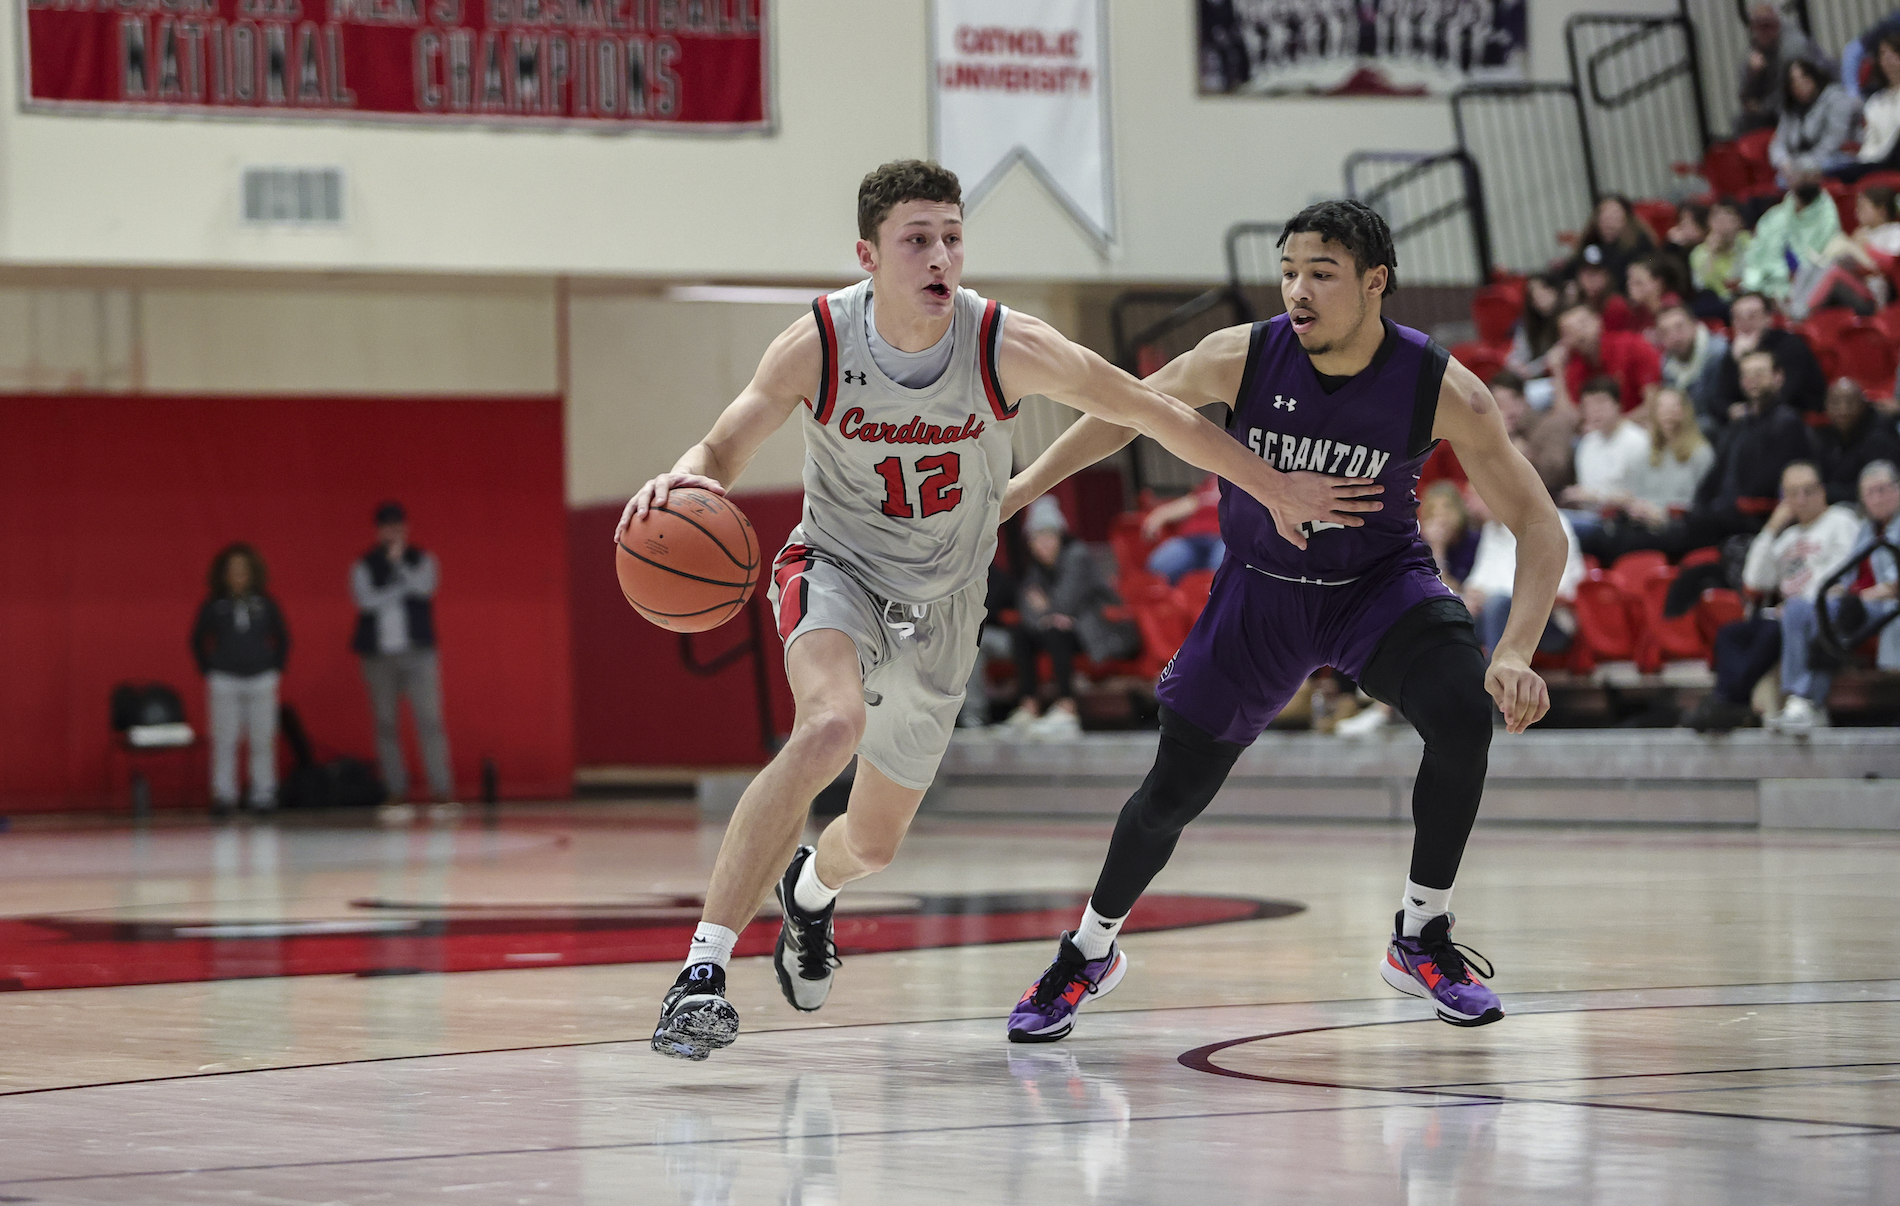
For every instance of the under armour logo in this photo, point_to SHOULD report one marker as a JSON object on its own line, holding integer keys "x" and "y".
{"x": 1281, "y": 402}
{"x": 852, "y": 378}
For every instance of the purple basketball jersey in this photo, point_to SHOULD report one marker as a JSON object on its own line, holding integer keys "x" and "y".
{"x": 1377, "y": 424}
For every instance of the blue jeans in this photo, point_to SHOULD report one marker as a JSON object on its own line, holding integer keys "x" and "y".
{"x": 1496, "y": 612}
{"x": 1178, "y": 555}
{"x": 1800, "y": 623}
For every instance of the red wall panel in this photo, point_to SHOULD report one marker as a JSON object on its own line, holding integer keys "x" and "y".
{"x": 111, "y": 509}
{"x": 635, "y": 703}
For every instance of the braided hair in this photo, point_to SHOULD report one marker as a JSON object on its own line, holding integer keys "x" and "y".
{"x": 1355, "y": 226}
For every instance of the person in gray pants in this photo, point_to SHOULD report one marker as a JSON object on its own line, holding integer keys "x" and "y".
{"x": 240, "y": 643}
{"x": 394, "y": 588}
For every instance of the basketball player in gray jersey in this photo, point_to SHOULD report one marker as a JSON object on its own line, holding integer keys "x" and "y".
{"x": 907, "y": 385}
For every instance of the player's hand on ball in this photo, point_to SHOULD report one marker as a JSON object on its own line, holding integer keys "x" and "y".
{"x": 1521, "y": 694}
{"x": 654, "y": 493}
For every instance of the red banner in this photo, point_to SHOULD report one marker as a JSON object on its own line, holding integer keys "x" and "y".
{"x": 617, "y": 64}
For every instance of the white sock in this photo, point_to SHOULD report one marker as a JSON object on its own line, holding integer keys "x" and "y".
{"x": 810, "y": 893}
{"x": 1421, "y": 904}
{"x": 1094, "y": 934}
{"x": 711, "y": 944}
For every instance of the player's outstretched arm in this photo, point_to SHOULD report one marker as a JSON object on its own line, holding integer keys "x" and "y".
{"x": 1510, "y": 487}
{"x": 1035, "y": 359}
{"x": 1208, "y": 374}
{"x": 787, "y": 374}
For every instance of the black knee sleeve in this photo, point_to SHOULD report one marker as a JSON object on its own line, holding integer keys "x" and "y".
{"x": 1190, "y": 766}
{"x": 1431, "y": 670}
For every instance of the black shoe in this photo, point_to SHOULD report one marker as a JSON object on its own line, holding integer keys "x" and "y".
{"x": 696, "y": 1019}
{"x": 805, "y": 956}
{"x": 1718, "y": 715}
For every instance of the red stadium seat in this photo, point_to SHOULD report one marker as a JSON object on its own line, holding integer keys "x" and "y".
{"x": 1869, "y": 356}
{"x": 1708, "y": 556}
{"x": 1494, "y": 311}
{"x": 1726, "y": 170}
{"x": 1659, "y": 216}
{"x": 1844, "y": 198}
{"x": 1753, "y": 148}
{"x": 1130, "y": 547}
{"x": 1826, "y": 325}
{"x": 1717, "y": 607}
{"x": 1666, "y": 639}
{"x": 1888, "y": 321}
{"x": 1483, "y": 359}
{"x": 1608, "y": 622}
{"x": 1633, "y": 569}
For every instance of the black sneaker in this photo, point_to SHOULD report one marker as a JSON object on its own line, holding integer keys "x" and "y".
{"x": 696, "y": 1019}
{"x": 1718, "y": 715}
{"x": 805, "y": 956}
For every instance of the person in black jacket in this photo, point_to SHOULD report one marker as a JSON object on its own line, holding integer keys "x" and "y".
{"x": 394, "y": 588}
{"x": 1854, "y": 438}
{"x": 240, "y": 643}
{"x": 1804, "y": 385}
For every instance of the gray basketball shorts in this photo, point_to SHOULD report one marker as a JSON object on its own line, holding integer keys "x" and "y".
{"x": 913, "y": 682}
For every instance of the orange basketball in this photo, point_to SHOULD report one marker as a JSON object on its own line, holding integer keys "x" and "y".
{"x": 691, "y": 566}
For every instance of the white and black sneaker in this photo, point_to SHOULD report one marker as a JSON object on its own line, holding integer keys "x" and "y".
{"x": 695, "y": 1018}
{"x": 805, "y": 956}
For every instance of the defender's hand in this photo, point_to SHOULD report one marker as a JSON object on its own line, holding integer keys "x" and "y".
{"x": 1307, "y": 497}
{"x": 1521, "y": 694}
{"x": 654, "y": 493}
{"x": 1016, "y": 496}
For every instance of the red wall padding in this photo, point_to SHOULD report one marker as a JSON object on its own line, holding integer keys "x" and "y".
{"x": 635, "y": 703}
{"x": 111, "y": 509}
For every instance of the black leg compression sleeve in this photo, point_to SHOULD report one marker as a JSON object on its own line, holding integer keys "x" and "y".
{"x": 1189, "y": 768}
{"x": 1431, "y": 670}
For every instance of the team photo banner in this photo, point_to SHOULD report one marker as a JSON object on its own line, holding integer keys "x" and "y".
{"x": 1025, "y": 81}
{"x": 1360, "y": 47}
{"x": 601, "y": 64}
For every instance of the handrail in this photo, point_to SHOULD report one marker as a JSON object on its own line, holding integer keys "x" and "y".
{"x": 1843, "y": 646}
{"x": 1232, "y": 241}
{"x": 1646, "y": 27}
{"x": 1473, "y": 202}
{"x": 754, "y": 644}
{"x": 1189, "y": 307}
{"x": 1525, "y": 88}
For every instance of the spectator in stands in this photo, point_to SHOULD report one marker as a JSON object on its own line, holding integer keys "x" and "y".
{"x": 1854, "y": 438}
{"x": 1818, "y": 119}
{"x": 1735, "y": 495}
{"x": 1863, "y": 53}
{"x": 1487, "y": 588}
{"x": 1804, "y": 383}
{"x": 1662, "y": 484}
{"x": 1690, "y": 232}
{"x": 1651, "y": 284}
{"x": 1869, "y": 597}
{"x": 1877, "y": 215}
{"x": 1880, "y": 113}
{"x": 1445, "y": 526}
{"x": 1610, "y": 447}
{"x": 1803, "y": 542}
{"x": 1692, "y": 362}
{"x": 1584, "y": 349}
{"x": 1536, "y": 330}
{"x": 994, "y": 644}
{"x": 1543, "y": 436}
{"x": 1617, "y": 236}
{"x": 1597, "y": 286}
{"x": 1196, "y": 545}
{"x": 240, "y": 643}
{"x": 394, "y": 588}
{"x": 1061, "y": 600}
{"x": 1793, "y": 232}
{"x": 1772, "y": 43}
{"x": 1716, "y": 263}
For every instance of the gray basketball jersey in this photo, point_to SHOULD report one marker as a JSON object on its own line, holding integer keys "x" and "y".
{"x": 902, "y": 486}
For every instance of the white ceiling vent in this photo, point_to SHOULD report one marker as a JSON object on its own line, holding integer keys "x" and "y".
{"x": 293, "y": 196}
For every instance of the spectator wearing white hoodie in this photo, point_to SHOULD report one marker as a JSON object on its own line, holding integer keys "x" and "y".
{"x": 1874, "y": 589}
{"x": 1803, "y": 542}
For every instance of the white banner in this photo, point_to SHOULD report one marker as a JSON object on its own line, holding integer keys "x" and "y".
{"x": 1025, "y": 80}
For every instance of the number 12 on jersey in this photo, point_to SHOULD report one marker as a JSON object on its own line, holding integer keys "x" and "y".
{"x": 936, "y": 493}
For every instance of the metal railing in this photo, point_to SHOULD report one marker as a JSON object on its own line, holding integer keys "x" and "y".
{"x": 1537, "y": 170}
{"x": 1151, "y": 327}
{"x": 1638, "y": 86}
{"x": 1434, "y": 205}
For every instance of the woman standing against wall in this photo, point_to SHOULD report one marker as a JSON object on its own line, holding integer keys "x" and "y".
{"x": 240, "y": 643}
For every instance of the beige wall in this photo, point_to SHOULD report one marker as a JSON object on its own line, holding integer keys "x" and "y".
{"x": 850, "y": 92}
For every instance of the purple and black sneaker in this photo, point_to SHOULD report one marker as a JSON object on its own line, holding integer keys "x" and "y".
{"x": 1047, "y": 1011}
{"x": 1434, "y": 967}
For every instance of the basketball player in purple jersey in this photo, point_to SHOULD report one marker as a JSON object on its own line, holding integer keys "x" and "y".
{"x": 906, "y": 385}
{"x": 1334, "y": 387}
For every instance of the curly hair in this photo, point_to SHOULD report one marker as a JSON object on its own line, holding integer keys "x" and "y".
{"x": 899, "y": 181}
{"x": 1355, "y": 226}
{"x": 214, "y": 578}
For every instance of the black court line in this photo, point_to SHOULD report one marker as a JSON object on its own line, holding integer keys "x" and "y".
{"x": 1200, "y": 1059}
{"x": 1569, "y": 1080}
{"x": 635, "y": 1039}
{"x": 774, "y": 1137}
